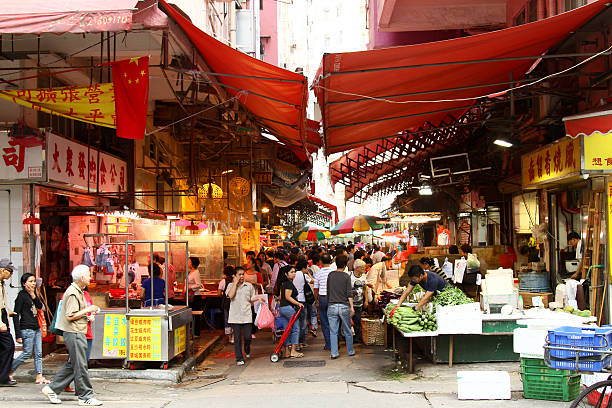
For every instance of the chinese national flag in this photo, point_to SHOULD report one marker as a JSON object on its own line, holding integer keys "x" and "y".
{"x": 131, "y": 83}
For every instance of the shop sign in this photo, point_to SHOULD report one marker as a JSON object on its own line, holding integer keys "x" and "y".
{"x": 145, "y": 338}
{"x": 262, "y": 177}
{"x": 597, "y": 152}
{"x": 552, "y": 162}
{"x": 609, "y": 221}
{"x": 77, "y": 165}
{"x": 23, "y": 158}
{"x": 115, "y": 336}
{"x": 180, "y": 339}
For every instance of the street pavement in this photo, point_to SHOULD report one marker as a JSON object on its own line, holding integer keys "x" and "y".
{"x": 370, "y": 377}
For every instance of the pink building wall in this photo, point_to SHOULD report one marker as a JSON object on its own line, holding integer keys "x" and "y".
{"x": 268, "y": 22}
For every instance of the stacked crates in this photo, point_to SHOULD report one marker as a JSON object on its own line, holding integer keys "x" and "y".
{"x": 543, "y": 383}
{"x": 586, "y": 338}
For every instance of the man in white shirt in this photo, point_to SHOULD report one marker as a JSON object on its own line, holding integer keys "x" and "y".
{"x": 279, "y": 262}
{"x": 378, "y": 255}
{"x": 320, "y": 292}
{"x": 301, "y": 279}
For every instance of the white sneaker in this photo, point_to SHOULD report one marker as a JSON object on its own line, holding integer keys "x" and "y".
{"x": 247, "y": 355}
{"x": 92, "y": 402}
{"x": 49, "y": 393}
{"x": 239, "y": 363}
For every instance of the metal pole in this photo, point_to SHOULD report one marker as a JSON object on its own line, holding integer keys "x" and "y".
{"x": 167, "y": 277}
{"x": 32, "y": 239}
{"x": 187, "y": 274}
{"x": 125, "y": 274}
{"x": 151, "y": 274}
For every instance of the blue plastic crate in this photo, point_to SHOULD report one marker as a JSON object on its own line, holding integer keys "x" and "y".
{"x": 594, "y": 366}
{"x": 594, "y": 338}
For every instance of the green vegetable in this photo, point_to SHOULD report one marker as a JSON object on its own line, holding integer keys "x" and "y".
{"x": 451, "y": 296}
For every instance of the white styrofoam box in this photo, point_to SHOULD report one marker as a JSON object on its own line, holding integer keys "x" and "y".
{"x": 499, "y": 282}
{"x": 465, "y": 323}
{"x": 589, "y": 379}
{"x": 458, "y": 309}
{"x": 529, "y": 343}
{"x": 483, "y": 385}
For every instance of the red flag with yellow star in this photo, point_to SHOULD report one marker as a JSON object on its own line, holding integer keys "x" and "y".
{"x": 131, "y": 83}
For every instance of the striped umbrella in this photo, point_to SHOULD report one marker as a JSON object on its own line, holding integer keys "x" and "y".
{"x": 311, "y": 233}
{"x": 359, "y": 223}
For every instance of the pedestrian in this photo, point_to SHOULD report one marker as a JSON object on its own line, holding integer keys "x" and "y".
{"x": 302, "y": 278}
{"x": 90, "y": 319}
{"x": 428, "y": 264}
{"x": 313, "y": 269}
{"x": 228, "y": 277}
{"x": 320, "y": 289}
{"x": 27, "y": 329}
{"x": 242, "y": 296}
{"x": 289, "y": 305}
{"x": 358, "y": 283}
{"x": 194, "y": 285}
{"x": 72, "y": 320}
{"x": 265, "y": 268}
{"x": 159, "y": 285}
{"x": 279, "y": 262}
{"x": 340, "y": 309}
{"x": 377, "y": 277}
{"x": 377, "y": 255}
{"x": 7, "y": 347}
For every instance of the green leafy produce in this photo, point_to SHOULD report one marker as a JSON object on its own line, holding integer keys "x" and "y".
{"x": 408, "y": 320}
{"x": 451, "y": 296}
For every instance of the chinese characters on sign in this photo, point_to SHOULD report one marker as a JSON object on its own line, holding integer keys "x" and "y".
{"x": 552, "y": 162}
{"x": 179, "y": 339}
{"x": 262, "y": 177}
{"x": 72, "y": 163}
{"x": 22, "y": 157}
{"x": 115, "y": 336}
{"x": 598, "y": 152}
{"x": 145, "y": 338}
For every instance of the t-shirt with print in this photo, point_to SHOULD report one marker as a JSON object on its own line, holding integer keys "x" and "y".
{"x": 358, "y": 284}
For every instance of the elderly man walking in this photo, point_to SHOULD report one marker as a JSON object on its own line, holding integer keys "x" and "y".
{"x": 73, "y": 321}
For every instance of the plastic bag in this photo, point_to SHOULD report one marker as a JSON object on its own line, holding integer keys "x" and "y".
{"x": 42, "y": 322}
{"x": 265, "y": 318}
{"x": 447, "y": 267}
{"x": 460, "y": 267}
{"x": 53, "y": 329}
{"x": 473, "y": 262}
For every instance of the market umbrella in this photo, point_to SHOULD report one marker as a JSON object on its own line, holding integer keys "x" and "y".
{"x": 358, "y": 223}
{"x": 311, "y": 233}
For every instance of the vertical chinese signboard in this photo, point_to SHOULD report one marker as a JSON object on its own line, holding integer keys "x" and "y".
{"x": 553, "y": 162}
{"x": 23, "y": 158}
{"x": 115, "y": 336}
{"x": 145, "y": 338}
{"x": 180, "y": 339}
{"x": 81, "y": 167}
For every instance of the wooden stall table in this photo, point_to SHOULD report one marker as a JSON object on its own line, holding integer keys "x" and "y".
{"x": 411, "y": 336}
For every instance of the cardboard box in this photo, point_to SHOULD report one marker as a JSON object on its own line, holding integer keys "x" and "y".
{"x": 527, "y": 296}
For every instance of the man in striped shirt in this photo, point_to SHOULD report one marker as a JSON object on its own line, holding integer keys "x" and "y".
{"x": 320, "y": 292}
{"x": 428, "y": 264}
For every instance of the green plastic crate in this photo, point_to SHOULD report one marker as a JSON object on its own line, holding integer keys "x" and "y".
{"x": 551, "y": 387}
{"x": 537, "y": 366}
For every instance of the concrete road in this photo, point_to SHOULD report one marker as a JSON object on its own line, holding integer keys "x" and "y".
{"x": 368, "y": 379}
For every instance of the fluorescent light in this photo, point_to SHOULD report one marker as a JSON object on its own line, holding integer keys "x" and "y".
{"x": 503, "y": 143}
{"x": 425, "y": 190}
{"x": 227, "y": 171}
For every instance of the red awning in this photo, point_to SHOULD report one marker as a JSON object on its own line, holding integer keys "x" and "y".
{"x": 276, "y": 97}
{"x": 442, "y": 76}
{"x": 588, "y": 123}
{"x": 74, "y": 16}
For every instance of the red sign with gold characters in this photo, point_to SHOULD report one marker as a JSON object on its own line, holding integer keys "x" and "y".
{"x": 552, "y": 162}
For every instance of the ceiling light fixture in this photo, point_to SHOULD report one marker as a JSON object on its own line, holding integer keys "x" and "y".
{"x": 503, "y": 142}
{"x": 425, "y": 190}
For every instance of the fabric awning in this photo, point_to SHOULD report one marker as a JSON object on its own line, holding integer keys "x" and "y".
{"x": 434, "y": 74}
{"x": 275, "y": 96}
{"x": 588, "y": 123}
{"x": 74, "y": 16}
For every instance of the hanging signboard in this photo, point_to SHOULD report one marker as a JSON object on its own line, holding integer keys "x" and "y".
{"x": 552, "y": 162}
{"x": 84, "y": 168}
{"x": 262, "y": 177}
{"x": 597, "y": 153}
{"x": 23, "y": 159}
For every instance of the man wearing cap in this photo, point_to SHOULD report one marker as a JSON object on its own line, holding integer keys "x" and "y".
{"x": 7, "y": 347}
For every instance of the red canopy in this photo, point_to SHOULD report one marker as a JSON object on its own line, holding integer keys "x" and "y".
{"x": 436, "y": 74}
{"x": 588, "y": 123}
{"x": 276, "y": 97}
{"x": 75, "y": 16}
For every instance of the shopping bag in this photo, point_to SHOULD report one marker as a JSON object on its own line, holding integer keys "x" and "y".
{"x": 42, "y": 322}
{"x": 447, "y": 267}
{"x": 460, "y": 267}
{"x": 265, "y": 318}
{"x": 473, "y": 262}
{"x": 53, "y": 329}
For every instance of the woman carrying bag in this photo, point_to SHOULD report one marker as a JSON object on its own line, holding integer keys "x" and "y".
{"x": 27, "y": 328}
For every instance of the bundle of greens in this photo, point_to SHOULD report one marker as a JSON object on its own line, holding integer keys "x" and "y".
{"x": 408, "y": 320}
{"x": 451, "y": 296}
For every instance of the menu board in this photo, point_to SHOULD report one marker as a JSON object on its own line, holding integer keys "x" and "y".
{"x": 179, "y": 339}
{"x": 114, "y": 344}
{"x": 145, "y": 338}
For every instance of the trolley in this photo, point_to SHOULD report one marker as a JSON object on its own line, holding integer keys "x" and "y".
{"x": 275, "y": 356}
{"x": 591, "y": 357}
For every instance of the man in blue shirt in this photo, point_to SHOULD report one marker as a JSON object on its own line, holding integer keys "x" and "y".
{"x": 431, "y": 282}
{"x": 159, "y": 286}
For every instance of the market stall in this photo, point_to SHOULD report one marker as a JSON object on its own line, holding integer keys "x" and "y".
{"x": 152, "y": 334}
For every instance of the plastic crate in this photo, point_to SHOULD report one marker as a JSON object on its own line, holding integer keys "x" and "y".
{"x": 594, "y": 338}
{"x": 534, "y": 282}
{"x": 570, "y": 364}
{"x": 539, "y": 367}
{"x": 551, "y": 387}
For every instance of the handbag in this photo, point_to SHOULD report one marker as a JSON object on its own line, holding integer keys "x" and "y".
{"x": 42, "y": 322}
{"x": 308, "y": 294}
{"x": 53, "y": 328}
